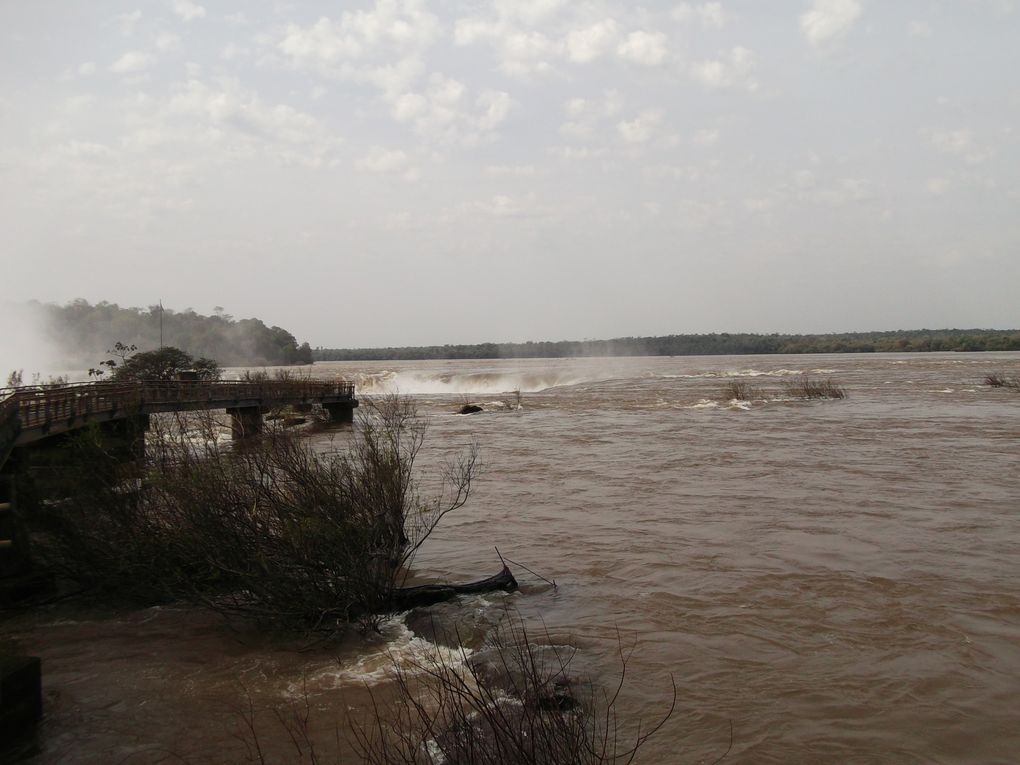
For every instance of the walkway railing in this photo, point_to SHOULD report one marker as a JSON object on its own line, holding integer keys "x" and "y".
{"x": 34, "y": 407}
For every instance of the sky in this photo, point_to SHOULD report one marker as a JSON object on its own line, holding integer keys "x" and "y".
{"x": 402, "y": 172}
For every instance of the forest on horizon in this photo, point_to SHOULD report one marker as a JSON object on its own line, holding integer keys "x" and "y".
{"x": 723, "y": 343}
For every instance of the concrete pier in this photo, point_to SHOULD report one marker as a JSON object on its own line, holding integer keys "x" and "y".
{"x": 20, "y": 697}
{"x": 125, "y": 438}
{"x": 342, "y": 412}
{"x": 10, "y": 550}
{"x": 245, "y": 421}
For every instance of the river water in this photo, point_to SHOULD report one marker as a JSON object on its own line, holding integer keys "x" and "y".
{"x": 832, "y": 581}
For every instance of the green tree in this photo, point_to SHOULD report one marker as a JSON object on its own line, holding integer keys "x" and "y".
{"x": 163, "y": 364}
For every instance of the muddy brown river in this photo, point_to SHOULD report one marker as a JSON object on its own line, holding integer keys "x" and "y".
{"x": 832, "y": 581}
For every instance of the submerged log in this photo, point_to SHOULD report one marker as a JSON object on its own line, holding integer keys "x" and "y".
{"x": 406, "y": 598}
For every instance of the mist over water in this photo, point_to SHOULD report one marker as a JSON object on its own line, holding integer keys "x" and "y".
{"x": 26, "y": 344}
{"x": 834, "y": 579}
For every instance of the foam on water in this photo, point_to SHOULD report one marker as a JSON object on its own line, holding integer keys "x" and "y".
{"x": 413, "y": 382}
{"x": 728, "y": 373}
{"x": 402, "y": 649}
{"x": 705, "y": 404}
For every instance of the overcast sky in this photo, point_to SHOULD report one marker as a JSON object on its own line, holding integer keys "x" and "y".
{"x": 399, "y": 172}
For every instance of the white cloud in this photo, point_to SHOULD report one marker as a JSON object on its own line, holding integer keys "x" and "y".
{"x": 131, "y": 62}
{"x": 959, "y": 142}
{"x": 682, "y": 12}
{"x": 952, "y": 141}
{"x": 204, "y": 112}
{"x": 441, "y": 111}
{"x": 918, "y": 29}
{"x": 380, "y": 160}
{"x": 512, "y": 171}
{"x": 526, "y": 53}
{"x": 83, "y": 150}
{"x": 502, "y": 205}
{"x": 188, "y": 10}
{"x": 759, "y": 204}
{"x": 644, "y": 48}
{"x": 495, "y": 106}
{"x": 396, "y": 27}
{"x": 571, "y": 153}
{"x": 128, "y": 21}
{"x": 324, "y": 41}
{"x": 529, "y": 12}
{"x": 468, "y": 31}
{"x": 842, "y": 192}
{"x": 577, "y": 130}
{"x": 937, "y": 186}
{"x": 712, "y": 15}
{"x": 642, "y": 128}
{"x": 804, "y": 179}
{"x": 86, "y": 69}
{"x": 829, "y": 20}
{"x": 576, "y": 107}
{"x": 167, "y": 41}
{"x": 232, "y": 51}
{"x": 78, "y": 103}
{"x": 731, "y": 70}
{"x": 706, "y": 137}
{"x": 407, "y": 106}
{"x": 709, "y": 14}
{"x": 587, "y": 44}
{"x": 586, "y": 114}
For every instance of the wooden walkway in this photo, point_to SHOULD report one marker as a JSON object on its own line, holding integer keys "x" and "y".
{"x": 32, "y": 413}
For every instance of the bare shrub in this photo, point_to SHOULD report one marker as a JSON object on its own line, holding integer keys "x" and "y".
{"x": 740, "y": 390}
{"x": 268, "y": 530}
{"x": 515, "y": 701}
{"x": 807, "y": 387}
{"x": 285, "y": 374}
{"x": 513, "y": 404}
{"x": 999, "y": 380}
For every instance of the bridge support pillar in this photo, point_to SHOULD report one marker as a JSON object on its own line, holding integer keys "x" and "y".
{"x": 125, "y": 438}
{"x": 245, "y": 421}
{"x": 20, "y": 698}
{"x": 11, "y": 547}
{"x": 340, "y": 412}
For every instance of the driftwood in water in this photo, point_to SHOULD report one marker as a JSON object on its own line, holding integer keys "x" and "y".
{"x": 405, "y": 598}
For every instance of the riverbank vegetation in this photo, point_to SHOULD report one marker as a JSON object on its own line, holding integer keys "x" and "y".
{"x": 270, "y": 530}
{"x": 80, "y": 333}
{"x": 724, "y": 343}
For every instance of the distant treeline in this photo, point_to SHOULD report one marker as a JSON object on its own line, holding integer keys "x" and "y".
{"x": 82, "y": 333}
{"x": 723, "y": 343}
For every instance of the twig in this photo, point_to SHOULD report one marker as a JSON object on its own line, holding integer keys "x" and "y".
{"x": 521, "y": 565}
{"x": 727, "y": 748}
